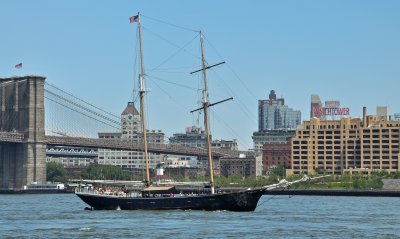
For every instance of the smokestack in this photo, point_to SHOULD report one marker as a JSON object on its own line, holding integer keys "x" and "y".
{"x": 365, "y": 116}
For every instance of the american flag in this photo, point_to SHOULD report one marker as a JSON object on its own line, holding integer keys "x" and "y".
{"x": 134, "y": 19}
{"x": 18, "y": 66}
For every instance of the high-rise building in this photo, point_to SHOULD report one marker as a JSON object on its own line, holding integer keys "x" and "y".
{"x": 274, "y": 114}
{"x": 276, "y": 122}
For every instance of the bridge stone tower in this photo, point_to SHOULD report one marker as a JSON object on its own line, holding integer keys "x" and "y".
{"x": 22, "y": 111}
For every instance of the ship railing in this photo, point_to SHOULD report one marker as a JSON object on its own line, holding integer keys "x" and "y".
{"x": 112, "y": 192}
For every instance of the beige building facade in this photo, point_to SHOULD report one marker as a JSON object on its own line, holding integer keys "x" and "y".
{"x": 348, "y": 145}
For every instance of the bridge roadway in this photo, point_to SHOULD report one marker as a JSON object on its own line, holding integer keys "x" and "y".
{"x": 10, "y": 137}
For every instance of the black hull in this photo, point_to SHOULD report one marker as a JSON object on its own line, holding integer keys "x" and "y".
{"x": 242, "y": 201}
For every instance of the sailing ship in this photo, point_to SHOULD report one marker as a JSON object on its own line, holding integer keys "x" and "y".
{"x": 166, "y": 198}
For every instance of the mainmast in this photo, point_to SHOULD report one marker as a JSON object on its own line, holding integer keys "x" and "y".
{"x": 205, "y": 108}
{"x": 142, "y": 91}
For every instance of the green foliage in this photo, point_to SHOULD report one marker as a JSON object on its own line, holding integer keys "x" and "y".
{"x": 362, "y": 182}
{"x": 359, "y": 182}
{"x": 105, "y": 172}
{"x": 344, "y": 182}
{"x": 55, "y": 172}
{"x": 237, "y": 181}
{"x": 279, "y": 171}
{"x": 375, "y": 183}
{"x": 393, "y": 175}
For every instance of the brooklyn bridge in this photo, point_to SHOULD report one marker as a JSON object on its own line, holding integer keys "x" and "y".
{"x": 23, "y": 135}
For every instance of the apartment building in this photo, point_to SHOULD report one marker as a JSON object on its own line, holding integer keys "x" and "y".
{"x": 370, "y": 144}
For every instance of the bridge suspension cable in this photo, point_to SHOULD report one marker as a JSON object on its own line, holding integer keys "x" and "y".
{"x": 69, "y": 115}
{"x": 79, "y": 99}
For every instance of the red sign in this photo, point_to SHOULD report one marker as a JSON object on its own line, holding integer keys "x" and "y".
{"x": 330, "y": 111}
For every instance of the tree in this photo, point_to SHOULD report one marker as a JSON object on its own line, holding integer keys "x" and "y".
{"x": 105, "y": 172}
{"x": 279, "y": 171}
{"x": 363, "y": 182}
{"x": 55, "y": 172}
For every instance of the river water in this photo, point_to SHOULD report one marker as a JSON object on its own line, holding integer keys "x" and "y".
{"x": 63, "y": 216}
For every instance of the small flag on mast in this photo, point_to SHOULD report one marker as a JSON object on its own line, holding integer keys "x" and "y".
{"x": 134, "y": 19}
{"x": 18, "y": 66}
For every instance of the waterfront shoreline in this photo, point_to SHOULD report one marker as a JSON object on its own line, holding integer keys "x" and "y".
{"x": 330, "y": 192}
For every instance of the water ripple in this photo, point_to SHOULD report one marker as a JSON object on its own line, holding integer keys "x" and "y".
{"x": 62, "y": 216}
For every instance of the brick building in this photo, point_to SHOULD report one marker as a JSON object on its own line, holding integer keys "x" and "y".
{"x": 276, "y": 154}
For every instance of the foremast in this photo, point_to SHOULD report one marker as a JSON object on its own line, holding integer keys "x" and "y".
{"x": 142, "y": 91}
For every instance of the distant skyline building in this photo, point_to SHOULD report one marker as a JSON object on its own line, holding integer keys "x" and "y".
{"x": 276, "y": 122}
{"x": 274, "y": 114}
{"x": 131, "y": 123}
{"x": 196, "y": 137}
{"x": 131, "y": 130}
{"x": 271, "y": 137}
{"x": 193, "y": 137}
{"x": 382, "y": 112}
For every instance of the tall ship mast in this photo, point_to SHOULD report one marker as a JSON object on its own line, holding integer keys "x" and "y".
{"x": 205, "y": 105}
{"x": 142, "y": 91}
{"x": 206, "y": 123}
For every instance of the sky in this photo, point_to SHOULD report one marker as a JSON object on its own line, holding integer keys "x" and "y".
{"x": 342, "y": 50}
